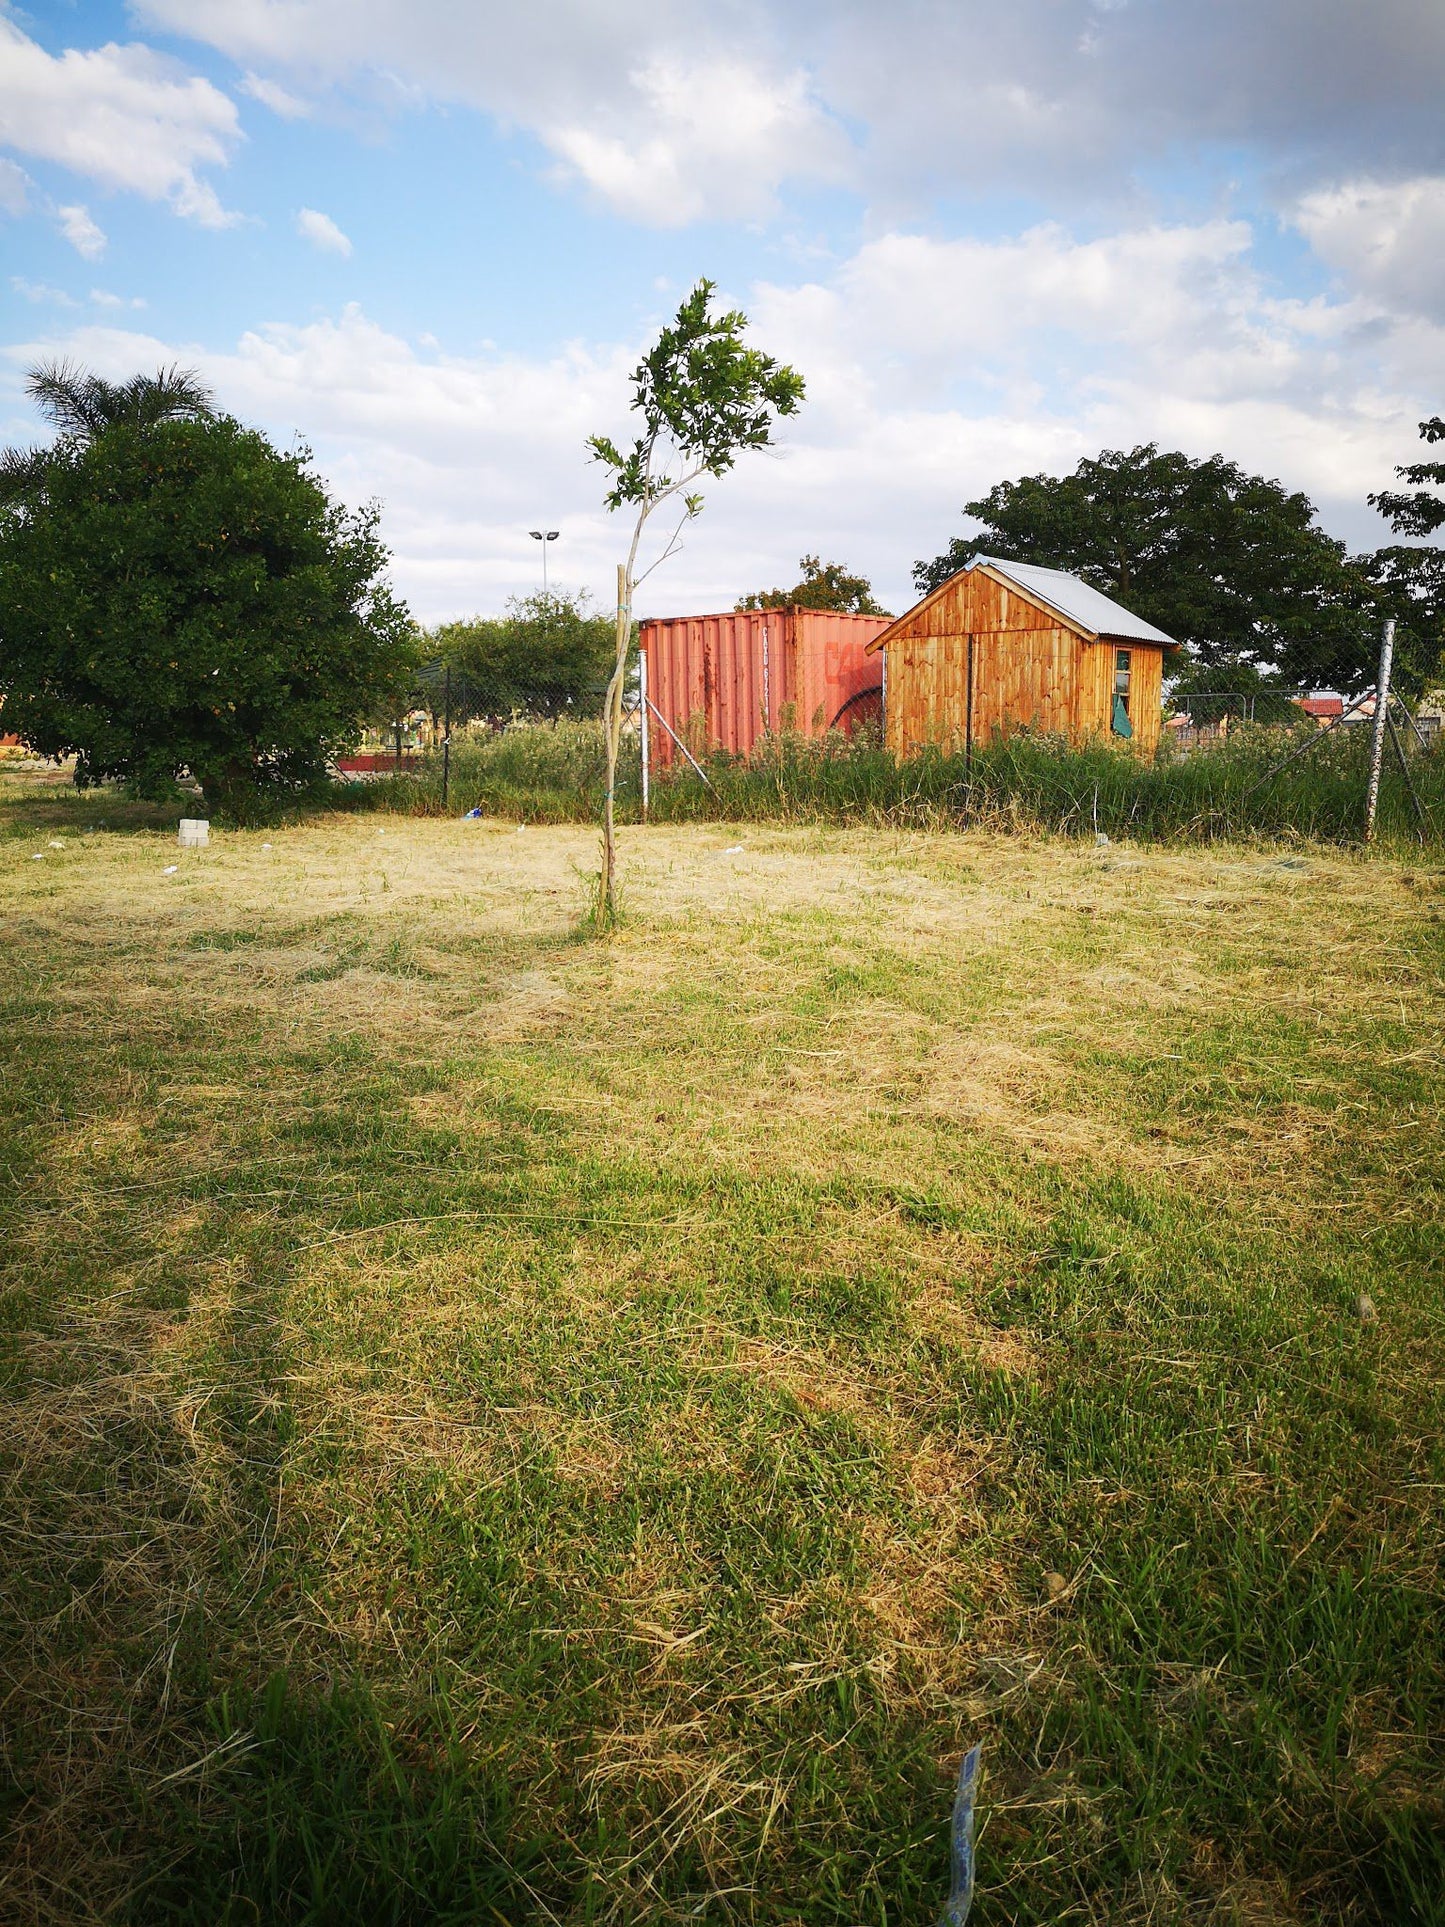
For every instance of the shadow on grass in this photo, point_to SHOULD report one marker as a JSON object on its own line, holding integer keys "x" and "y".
{"x": 147, "y": 1771}
{"x": 42, "y": 797}
{"x": 320, "y": 1809}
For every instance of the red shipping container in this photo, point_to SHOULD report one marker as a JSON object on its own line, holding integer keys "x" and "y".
{"x": 721, "y": 682}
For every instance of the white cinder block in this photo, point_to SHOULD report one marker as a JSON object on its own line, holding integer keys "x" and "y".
{"x": 194, "y": 830}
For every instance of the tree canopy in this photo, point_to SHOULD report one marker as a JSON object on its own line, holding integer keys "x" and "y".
{"x": 1420, "y": 511}
{"x": 179, "y": 597}
{"x": 825, "y": 585}
{"x": 547, "y": 654}
{"x": 80, "y": 406}
{"x": 1230, "y": 564}
{"x": 703, "y": 397}
{"x": 1409, "y": 577}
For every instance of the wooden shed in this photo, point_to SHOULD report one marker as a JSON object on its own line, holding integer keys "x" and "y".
{"x": 1010, "y": 645}
{"x": 723, "y": 681}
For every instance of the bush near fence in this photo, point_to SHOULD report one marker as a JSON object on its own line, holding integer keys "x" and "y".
{"x": 555, "y": 774}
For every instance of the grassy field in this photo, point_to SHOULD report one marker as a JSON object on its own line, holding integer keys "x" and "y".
{"x": 505, "y": 1428}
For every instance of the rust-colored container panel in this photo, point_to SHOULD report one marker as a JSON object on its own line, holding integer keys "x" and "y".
{"x": 723, "y": 681}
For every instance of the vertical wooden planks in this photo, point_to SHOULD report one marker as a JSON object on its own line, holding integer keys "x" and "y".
{"x": 1030, "y": 672}
{"x": 1148, "y": 699}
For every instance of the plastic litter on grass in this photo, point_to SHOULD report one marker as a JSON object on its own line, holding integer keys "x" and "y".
{"x": 960, "y": 1896}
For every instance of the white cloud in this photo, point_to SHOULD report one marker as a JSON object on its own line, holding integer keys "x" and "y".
{"x": 124, "y": 117}
{"x": 1068, "y": 97}
{"x": 712, "y": 108}
{"x": 708, "y": 140}
{"x": 667, "y": 115}
{"x": 1385, "y": 238}
{"x": 940, "y": 305}
{"x": 81, "y": 231}
{"x": 322, "y": 232}
{"x": 934, "y": 370}
{"x": 42, "y": 291}
{"x": 103, "y": 298}
{"x": 14, "y": 188}
{"x": 270, "y": 93}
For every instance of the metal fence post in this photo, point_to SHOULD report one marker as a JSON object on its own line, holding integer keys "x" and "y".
{"x": 646, "y": 739}
{"x": 447, "y": 737}
{"x": 1377, "y": 734}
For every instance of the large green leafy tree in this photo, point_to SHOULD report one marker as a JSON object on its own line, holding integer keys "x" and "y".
{"x": 1230, "y": 564}
{"x": 177, "y": 597}
{"x": 825, "y": 585}
{"x": 1410, "y": 576}
{"x": 550, "y": 653}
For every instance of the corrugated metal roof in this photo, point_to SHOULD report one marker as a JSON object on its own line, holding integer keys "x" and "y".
{"x": 1090, "y": 608}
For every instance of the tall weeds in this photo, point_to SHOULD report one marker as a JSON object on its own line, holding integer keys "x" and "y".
{"x": 555, "y": 774}
{"x": 536, "y": 772}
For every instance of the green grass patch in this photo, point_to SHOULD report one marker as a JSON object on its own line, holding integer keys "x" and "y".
{"x": 498, "y": 1427}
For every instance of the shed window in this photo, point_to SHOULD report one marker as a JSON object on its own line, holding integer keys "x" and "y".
{"x": 1122, "y": 724}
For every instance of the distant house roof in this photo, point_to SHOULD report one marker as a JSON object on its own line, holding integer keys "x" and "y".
{"x": 1080, "y": 604}
{"x": 1324, "y": 708}
{"x": 1094, "y": 615}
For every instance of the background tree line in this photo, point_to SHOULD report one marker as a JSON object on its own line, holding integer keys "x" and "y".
{"x": 551, "y": 654}
{"x": 1232, "y": 565}
{"x": 548, "y": 655}
{"x": 180, "y": 599}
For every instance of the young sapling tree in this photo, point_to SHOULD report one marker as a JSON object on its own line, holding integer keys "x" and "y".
{"x": 703, "y": 397}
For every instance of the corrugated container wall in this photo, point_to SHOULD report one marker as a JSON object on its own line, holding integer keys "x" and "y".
{"x": 720, "y": 682}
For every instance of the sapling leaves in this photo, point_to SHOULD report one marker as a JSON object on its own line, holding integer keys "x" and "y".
{"x": 702, "y": 396}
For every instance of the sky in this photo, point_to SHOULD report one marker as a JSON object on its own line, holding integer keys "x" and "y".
{"x": 430, "y": 239}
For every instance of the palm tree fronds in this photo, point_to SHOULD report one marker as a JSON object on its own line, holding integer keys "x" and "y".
{"x": 174, "y": 394}
{"x": 83, "y": 405}
{"x": 22, "y": 472}
{"x": 69, "y": 398}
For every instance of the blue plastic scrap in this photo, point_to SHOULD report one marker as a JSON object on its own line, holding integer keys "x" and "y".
{"x": 960, "y": 1896}
{"x": 468, "y": 814}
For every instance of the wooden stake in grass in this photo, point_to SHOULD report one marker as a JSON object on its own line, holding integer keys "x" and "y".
{"x": 703, "y": 397}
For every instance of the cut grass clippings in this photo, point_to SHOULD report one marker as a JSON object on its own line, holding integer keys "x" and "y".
{"x": 504, "y": 1427}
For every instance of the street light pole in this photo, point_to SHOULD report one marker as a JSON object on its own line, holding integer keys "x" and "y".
{"x": 544, "y": 537}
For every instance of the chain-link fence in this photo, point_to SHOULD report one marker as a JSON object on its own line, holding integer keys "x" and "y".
{"x": 1268, "y": 758}
{"x": 1380, "y": 700}
{"x": 413, "y": 741}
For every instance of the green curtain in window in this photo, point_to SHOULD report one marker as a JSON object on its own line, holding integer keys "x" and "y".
{"x": 1122, "y": 725}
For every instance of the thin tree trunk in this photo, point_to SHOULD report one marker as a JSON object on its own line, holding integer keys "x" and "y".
{"x": 612, "y": 708}
{"x": 612, "y": 711}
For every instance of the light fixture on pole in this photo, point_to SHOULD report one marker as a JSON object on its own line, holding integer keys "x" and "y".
{"x": 538, "y": 535}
